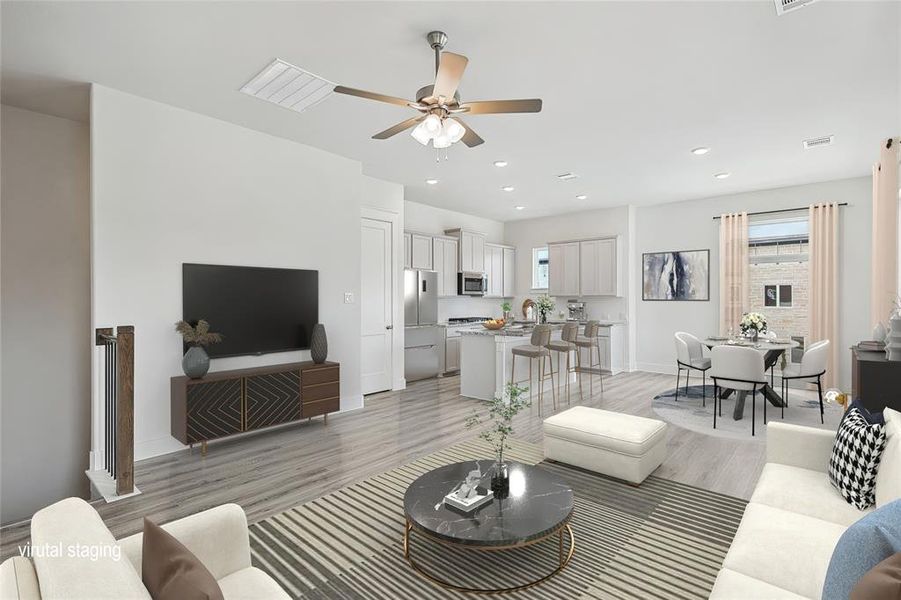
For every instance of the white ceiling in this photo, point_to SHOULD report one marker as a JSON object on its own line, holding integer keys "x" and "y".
{"x": 629, "y": 88}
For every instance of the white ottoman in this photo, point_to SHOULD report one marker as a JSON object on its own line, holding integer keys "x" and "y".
{"x": 622, "y": 446}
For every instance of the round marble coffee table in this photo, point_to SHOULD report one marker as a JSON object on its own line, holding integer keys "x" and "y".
{"x": 538, "y": 506}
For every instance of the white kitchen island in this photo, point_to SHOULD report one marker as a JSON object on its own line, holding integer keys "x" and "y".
{"x": 486, "y": 358}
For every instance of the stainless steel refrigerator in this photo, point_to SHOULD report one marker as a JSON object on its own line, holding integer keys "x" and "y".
{"x": 423, "y": 337}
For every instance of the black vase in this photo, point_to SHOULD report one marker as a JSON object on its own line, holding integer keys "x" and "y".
{"x": 318, "y": 344}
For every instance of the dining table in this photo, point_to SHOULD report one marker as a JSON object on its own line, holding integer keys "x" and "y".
{"x": 772, "y": 350}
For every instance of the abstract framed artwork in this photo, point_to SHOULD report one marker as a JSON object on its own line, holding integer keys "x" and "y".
{"x": 683, "y": 275}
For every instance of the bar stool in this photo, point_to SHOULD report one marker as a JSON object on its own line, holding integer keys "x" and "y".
{"x": 536, "y": 349}
{"x": 590, "y": 341}
{"x": 565, "y": 345}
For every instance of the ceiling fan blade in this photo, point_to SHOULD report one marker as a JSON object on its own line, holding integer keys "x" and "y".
{"x": 403, "y": 125}
{"x": 492, "y": 107}
{"x": 450, "y": 71}
{"x": 340, "y": 89}
{"x": 470, "y": 138}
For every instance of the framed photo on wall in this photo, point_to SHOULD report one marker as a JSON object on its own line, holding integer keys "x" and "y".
{"x": 680, "y": 276}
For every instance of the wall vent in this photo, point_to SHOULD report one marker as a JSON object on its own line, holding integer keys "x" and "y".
{"x": 826, "y": 140}
{"x": 787, "y": 6}
{"x": 288, "y": 86}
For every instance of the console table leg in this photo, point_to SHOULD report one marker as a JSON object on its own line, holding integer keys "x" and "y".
{"x": 560, "y": 541}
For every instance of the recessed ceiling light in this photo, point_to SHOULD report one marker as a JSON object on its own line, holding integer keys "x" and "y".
{"x": 566, "y": 176}
{"x": 431, "y": 181}
{"x": 722, "y": 175}
{"x": 520, "y": 207}
{"x": 699, "y": 151}
{"x": 581, "y": 197}
{"x": 500, "y": 163}
{"x": 508, "y": 188}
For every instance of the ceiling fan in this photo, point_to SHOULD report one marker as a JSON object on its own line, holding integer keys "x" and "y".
{"x": 440, "y": 103}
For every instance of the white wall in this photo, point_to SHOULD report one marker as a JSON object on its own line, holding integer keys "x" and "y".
{"x": 435, "y": 221}
{"x": 690, "y": 225}
{"x": 170, "y": 186}
{"x": 533, "y": 233}
{"x": 46, "y": 318}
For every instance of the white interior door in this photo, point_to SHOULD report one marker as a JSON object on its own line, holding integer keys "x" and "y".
{"x": 376, "y": 305}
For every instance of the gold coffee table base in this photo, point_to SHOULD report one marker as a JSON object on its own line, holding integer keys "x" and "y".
{"x": 564, "y": 559}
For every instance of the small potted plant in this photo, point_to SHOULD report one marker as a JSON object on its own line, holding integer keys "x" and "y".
{"x": 545, "y": 307}
{"x": 752, "y": 325}
{"x": 196, "y": 362}
{"x": 500, "y": 417}
{"x": 507, "y": 308}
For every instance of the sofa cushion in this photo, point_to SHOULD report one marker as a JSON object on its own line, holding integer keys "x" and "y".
{"x": 888, "y": 477}
{"x": 18, "y": 581}
{"x": 804, "y": 491}
{"x": 251, "y": 584}
{"x": 75, "y": 527}
{"x": 617, "y": 432}
{"x": 170, "y": 571}
{"x": 860, "y": 548}
{"x": 732, "y": 585}
{"x": 855, "y": 459}
{"x": 785, "y": 549}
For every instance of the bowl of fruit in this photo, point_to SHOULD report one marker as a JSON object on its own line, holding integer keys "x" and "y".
{"x": 493, "y": 324}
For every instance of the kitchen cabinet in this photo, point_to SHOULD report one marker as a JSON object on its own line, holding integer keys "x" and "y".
{"x": 444, "y": 261}
{"x": 599, "y": 273}
{"x": 471, "y": 250}
{"x": 509, "y": 273}
{"x": 563, "y": 269}
{"x": 408, "y": 250}
{"x": 452, "y": 354}
{"x": 421, "y": 246}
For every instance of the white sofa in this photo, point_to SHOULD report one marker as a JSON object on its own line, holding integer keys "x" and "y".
{"x": 790, "y": 527}
{"x": 217, "y": 537}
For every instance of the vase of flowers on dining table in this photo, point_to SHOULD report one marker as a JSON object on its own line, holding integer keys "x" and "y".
{"x": 752, "y": 325}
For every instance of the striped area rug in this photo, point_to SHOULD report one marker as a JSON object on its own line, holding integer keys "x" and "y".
{"x": 659, "y": 540}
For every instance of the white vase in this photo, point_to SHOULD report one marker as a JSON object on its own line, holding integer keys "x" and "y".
{"x": 893, "y": 339}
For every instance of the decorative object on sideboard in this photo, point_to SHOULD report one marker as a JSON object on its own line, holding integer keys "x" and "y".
{"x": 893, "y": 339}
{"x": 318, "y": 344}
{"x": 196, "y": 362}
{"x": 752, "y": 325}
{"x": 880, "y": 332}
{"x": 682, "y": 275}
{"x": 545, "y": 305}
{"x": 528, "y": 309}
{"x": 501, "y": 411}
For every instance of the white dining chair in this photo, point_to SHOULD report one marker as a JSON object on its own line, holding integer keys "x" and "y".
{"x": 690, "y": 356}
{"x": 812, "y": 366}
{"x": 737, "y": 368}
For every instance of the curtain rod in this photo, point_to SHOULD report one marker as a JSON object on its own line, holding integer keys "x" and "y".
{"x": 781, "y": 210}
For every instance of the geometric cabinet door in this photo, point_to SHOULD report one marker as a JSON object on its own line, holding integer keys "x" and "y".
{"x": 272, "y": 399}
{"x": 214, "y": 409}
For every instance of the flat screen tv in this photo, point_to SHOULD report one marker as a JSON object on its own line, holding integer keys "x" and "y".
{"x": 257, "y": 309}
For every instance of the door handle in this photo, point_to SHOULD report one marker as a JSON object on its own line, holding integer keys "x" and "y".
{"x": 389, "y": 326}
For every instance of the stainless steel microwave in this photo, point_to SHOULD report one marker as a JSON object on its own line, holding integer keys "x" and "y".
{"x": 472, "y": 284}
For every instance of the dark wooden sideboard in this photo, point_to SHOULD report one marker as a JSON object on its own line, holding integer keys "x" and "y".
{"x": 875, "y": 380}
{"x": 228, "y": 402}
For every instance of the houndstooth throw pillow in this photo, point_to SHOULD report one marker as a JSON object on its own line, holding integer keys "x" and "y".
{"x": 855, "y": 459}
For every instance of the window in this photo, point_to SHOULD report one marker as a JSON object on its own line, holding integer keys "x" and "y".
{"x": 539, "y": 268}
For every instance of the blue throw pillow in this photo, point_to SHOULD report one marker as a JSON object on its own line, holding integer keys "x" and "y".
{"x": 873, "y": 418}
{"x": 864, "y": 545}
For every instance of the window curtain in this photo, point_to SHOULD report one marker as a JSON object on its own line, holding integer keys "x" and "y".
{"x": 734, "y": 280}
{"x": 823, "y": 282}
{"x": 884, "y": 276}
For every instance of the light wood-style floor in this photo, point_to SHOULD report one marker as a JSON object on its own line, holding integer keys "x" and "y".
{"x": 272, "y": 471}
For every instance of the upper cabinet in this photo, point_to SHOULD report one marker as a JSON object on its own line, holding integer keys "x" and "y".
{"x": 585, "y": 268}
{"x": 563, "y": 269}
{"x": 471, "y": 250}
{"x": 422, "y": 251}
{"x": 499, "y": 269}
{"x": 408, "y": 250}
{"x": 509, "y": 272}
{"x": 599, "y": 270}
{"x": 444, "y": 260}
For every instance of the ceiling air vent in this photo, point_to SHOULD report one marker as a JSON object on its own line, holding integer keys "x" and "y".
{"x": 566, "y": 176}
{"x": 786, "y": 6}
{"x": 826, "y": 140}
{"x": 288, "y": 86}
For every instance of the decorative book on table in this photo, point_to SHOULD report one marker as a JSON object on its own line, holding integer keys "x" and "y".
{"x": 480, "y": 498}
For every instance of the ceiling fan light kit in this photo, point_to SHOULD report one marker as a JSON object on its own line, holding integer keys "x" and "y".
{"x": 440, "y": 103}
